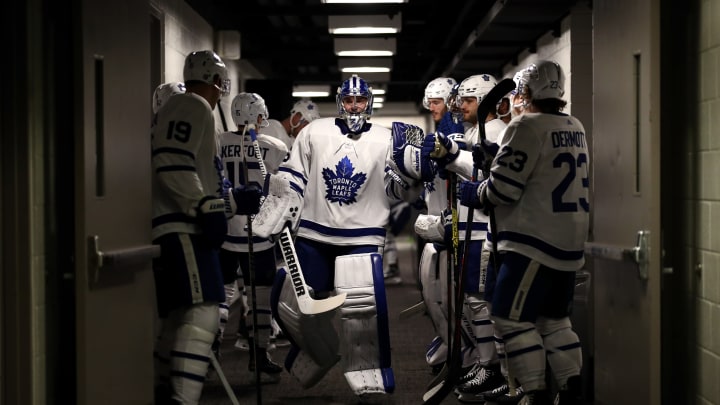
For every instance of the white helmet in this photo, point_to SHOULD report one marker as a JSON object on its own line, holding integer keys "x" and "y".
{"x": 164, "y": 91}
{"x": 203, "y": 66}
{"x": 476, "y": 86}
{"x": 354, "y": 86}
{"x": 307, "y": 109}
{"x": 544, "y": 79}
{"x": 246, "y": 107}
{"x": 438, "y": 88}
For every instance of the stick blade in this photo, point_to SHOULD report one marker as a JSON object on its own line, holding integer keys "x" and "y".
{"x": 416, "y": 309}
{"x": 310, "y": 306}
{"x": 494, "y": 96}
{"x": 437, "y": 393}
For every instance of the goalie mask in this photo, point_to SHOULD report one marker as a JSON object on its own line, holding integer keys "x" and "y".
{"x": 246, "y": 107}
{"x": 438, "y": 88}
{"x": 163, "y": 92}
{"x": 353, "y": 88}
{"x": 307, "y": 110}
{"x": 543, "y": 79}
{"x": 204, "y": 66}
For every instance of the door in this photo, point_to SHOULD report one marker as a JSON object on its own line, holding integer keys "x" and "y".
{"x": 626, "y": 200}
{"x": 114, "y": 290}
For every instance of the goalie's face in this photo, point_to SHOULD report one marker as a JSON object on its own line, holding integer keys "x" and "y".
{"x": 354, "y": 104}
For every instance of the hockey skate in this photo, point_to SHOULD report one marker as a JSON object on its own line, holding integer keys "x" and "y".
{"x": 392, "y": 275}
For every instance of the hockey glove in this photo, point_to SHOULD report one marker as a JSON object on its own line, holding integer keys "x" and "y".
{"x": 440, "y": 148}
{"x": 212, "y": 221}
{"x": 483, "y": 154}
{"x": 448, "y": 125}
{"x": 407, "y": 153}
{"x": 247, "y": 199}
{"x": 473, "y": 194}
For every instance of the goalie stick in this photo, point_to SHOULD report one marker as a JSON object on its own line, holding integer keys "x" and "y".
{"x": 306, "y": 303}
{"x": 436, "y": 394}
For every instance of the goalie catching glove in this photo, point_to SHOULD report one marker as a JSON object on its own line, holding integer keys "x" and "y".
{"x": 281, "y": 208}
{"x": 407, "y": 153}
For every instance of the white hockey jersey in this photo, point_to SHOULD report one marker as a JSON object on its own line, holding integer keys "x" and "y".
{"x": 540, "y": 183}
{"x": 185, "y": 164}
{"x": 463, "y": 166}
{"x": 341, "y": 177}
{"x": 277, "y": 130}
{"x": 233, "y": 146}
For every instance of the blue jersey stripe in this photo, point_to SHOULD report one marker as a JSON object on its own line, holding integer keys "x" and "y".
{"x": 174, "y": 151}
{"x": 541, "y": 245}
{"x": 175, "y": 168}
{"x": 342, "y": 232}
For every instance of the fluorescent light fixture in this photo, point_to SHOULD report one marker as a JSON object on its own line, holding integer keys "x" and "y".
{"x": 364, "y": 24}
{"x": 379, "y": 91}
{"x": 375, "y": 80}
{"x": 365, "y": 65}
{"x": 377, "y": 105}
{"x": 378, "y": 99}
{"x": 364, "y": 1}
{"x": 311, "y": 90}
{"x": 365, "y": 46}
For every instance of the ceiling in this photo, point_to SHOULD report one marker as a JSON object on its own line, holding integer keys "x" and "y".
{"x": 289, "y": 39}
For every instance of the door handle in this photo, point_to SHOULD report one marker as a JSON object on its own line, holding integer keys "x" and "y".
{"x": 116, "y": 259}
{"x": 638, "y": 254}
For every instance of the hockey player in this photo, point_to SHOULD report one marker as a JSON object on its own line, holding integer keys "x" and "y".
{"x": 303, "y": 112}
{"x": 337, "y": 165}
{"x": 437, "y": 98}
{"x": 239, "y": 159}
{"x": 539, "y": 190}
{"x": 486, "y": 373}
{"x": 164, "y": 91}
{"x": 190, "y": 205}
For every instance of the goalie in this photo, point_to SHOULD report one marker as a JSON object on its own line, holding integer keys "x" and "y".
{"x": 338, "y": 167}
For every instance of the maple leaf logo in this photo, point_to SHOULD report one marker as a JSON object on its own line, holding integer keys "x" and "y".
{"x": 342, "y": 185}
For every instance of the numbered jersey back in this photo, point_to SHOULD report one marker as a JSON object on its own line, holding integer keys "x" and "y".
{"x": 540, "y": 181}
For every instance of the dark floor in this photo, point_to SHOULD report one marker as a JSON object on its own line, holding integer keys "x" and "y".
{"x": 408, "y": 338}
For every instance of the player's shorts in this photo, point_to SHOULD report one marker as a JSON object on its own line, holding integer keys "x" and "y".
{"x": 472, "y": 272}
{"x": 238, "y": 263}
{"x": 526, "y": 290}
{"x": 186, "y": 273}
{"x": 317, "y": 260}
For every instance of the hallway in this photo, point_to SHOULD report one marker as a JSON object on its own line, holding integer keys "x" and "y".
{"x": 408, "y": 339}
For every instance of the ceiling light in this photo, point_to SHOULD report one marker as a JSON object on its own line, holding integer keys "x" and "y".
{"x": 311, "y": 90}
{"x": 378, "y": 91}
{"x": 364, "y": 24}
{"x": 365, "y": 46}
{"x": 377, "y": 105}
{"x": 363, "y": 1}
{"x": 378, "y": 99}
{"x": 365, "y": 65}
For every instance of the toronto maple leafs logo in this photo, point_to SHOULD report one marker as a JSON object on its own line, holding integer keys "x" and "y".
{"x": 342, "y": 185}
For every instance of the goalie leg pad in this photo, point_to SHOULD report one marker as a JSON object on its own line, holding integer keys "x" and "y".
{"x": 432, "y": 278}
{"x": 364, "y": 323}
{"x": 436, "y": 352}
{"x": 313, "y": 337}
{"x": 281, "y": 207}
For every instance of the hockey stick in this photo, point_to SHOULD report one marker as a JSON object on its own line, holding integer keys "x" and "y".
{"x": 412, "y": 310}
{"x": 228, "y": 389}
{"x": 251, "y": 267}
{"x": 506, "y": 85}
{"x": 436, "y": 394}
{"x": 306, "y": 303}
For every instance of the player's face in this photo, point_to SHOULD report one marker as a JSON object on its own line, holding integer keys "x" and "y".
{"x": 437, "y": 108}
{"x": 297, "y": 124}
{"x": 468, "y": 106}
{"x": 354, "y": 104}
